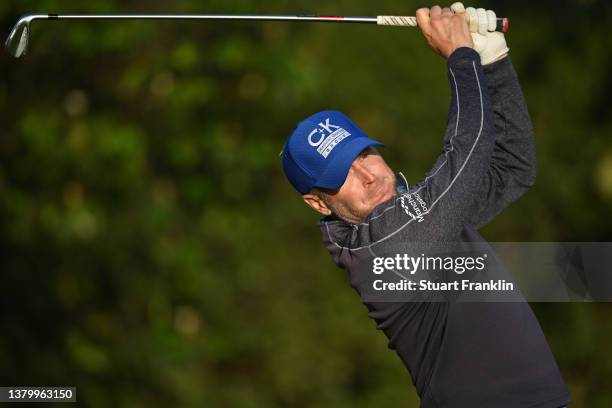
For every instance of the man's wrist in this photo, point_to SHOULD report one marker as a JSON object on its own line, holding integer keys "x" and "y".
{"x": 494, "y": 66}
{"x": 463, "y": 54}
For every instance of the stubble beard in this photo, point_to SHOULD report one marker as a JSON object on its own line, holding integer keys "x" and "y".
{"x": 355, "y": 215}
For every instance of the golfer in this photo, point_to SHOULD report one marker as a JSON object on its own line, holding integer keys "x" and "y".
{"x": 459, "y": 354}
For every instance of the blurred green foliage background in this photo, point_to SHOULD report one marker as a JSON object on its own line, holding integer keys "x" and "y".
{"x": 153, "y": 253}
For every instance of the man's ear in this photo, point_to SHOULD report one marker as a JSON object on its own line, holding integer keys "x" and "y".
{"x": 316, "y": 204}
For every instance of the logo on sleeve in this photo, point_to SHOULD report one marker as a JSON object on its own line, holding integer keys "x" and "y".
{"x": 415, "y": 203}
{"x": 326, "y": 136}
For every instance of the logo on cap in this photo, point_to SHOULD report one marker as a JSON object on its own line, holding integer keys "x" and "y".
{"x": 326, "y": 136}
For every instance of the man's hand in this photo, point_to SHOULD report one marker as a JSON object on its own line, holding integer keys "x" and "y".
{"x": 444, "y": 30}
{"x": 490, "y": 45}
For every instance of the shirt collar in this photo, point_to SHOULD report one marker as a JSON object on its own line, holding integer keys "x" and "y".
{"x": 401, "y": 184}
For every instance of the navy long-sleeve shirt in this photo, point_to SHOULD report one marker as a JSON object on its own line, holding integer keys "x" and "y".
{"x": 461, "y": 354}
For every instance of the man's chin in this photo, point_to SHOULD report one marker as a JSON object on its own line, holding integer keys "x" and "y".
{"x": 384, "y": 197}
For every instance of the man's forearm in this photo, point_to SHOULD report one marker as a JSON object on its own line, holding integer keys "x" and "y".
{"x": 513, "y": 163}
{"x": 514, "y": 143}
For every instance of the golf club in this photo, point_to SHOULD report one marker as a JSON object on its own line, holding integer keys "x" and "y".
{"x": 17, "y": 41}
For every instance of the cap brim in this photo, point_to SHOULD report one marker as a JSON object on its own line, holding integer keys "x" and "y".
{"x": 335, "y": 174}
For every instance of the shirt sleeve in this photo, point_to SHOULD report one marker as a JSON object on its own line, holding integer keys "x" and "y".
{"x": 513, "y": 163}
{"x": 447, "y": 198}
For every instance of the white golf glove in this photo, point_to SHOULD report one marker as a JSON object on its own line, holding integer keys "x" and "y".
{"x": 490, "y": 44}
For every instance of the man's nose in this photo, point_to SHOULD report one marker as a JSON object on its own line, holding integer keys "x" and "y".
{"x": 364, "y": 173}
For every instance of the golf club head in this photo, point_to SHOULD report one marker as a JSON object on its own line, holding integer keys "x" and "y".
{"x": 17, "y": 41}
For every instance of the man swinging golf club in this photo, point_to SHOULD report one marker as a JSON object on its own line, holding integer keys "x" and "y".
{"x": 459, "y": 354}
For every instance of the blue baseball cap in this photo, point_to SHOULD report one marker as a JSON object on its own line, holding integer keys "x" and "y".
{"x": 321, "y": 149}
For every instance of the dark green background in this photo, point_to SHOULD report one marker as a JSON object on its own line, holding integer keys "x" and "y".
{"x": 152, "y": 253}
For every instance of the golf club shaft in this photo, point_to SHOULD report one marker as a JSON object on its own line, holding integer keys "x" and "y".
{"x": 406, "y": 21}
{"x": 260, "y": 17}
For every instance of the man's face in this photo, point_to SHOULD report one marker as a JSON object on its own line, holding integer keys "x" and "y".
{"x": 369, "y": 182}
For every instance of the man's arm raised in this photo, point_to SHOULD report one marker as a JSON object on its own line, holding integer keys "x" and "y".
{"x": 513, "y": 163}
{"x": 445, "y": 200}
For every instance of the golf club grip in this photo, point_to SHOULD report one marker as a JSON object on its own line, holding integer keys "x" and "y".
{"x": 502, "y": 23}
